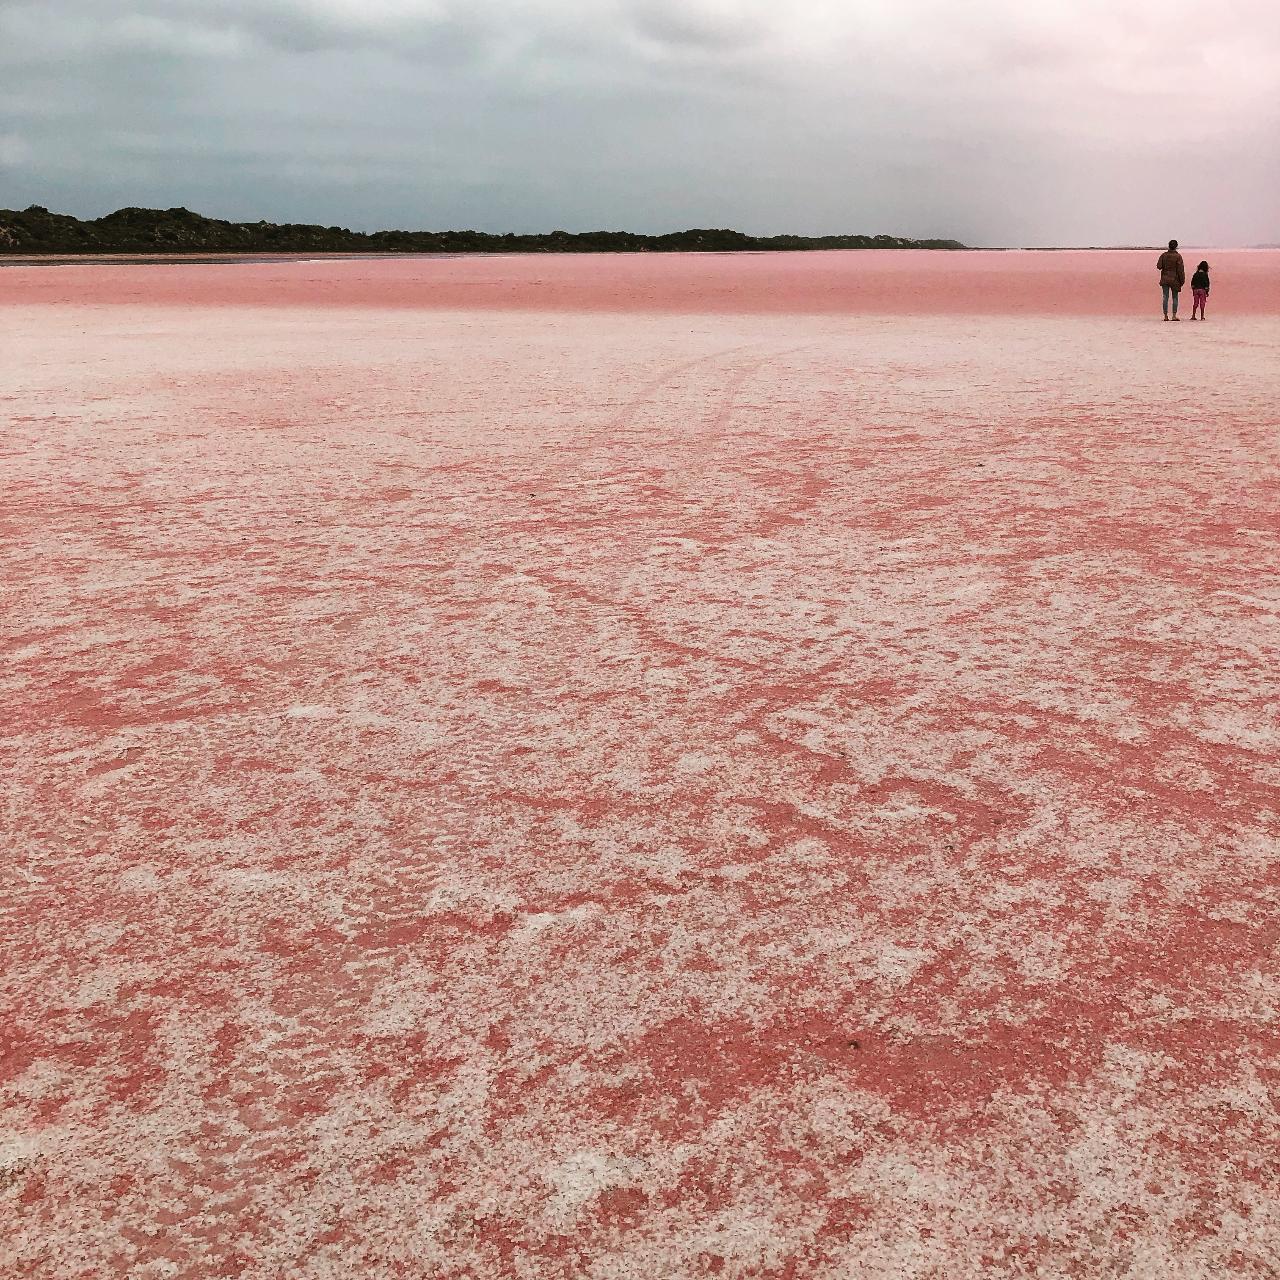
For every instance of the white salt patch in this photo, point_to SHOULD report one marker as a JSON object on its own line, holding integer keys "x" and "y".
{"x": 101, "y": 988}
{"x": 1255, "y": 851}
{"x": 664, "y": 677}
{"x": 1115, "y": 890}
{"x": 1043, "y": 962}
{"x": 255, "y": 881}
{"x": 300, "y": 712}
{"x": 666, "y": 861}
{"x": 695, "y": 762}
{"x": 809, "y": 852}
{"x": 371, "y": 720}
{"x": 1232, "y": 912}
{"x": 392, "y": 1009}
{"x": 140, "y": 879}
{"x": 18, "y": 1152}
{"x": 895, "y": 963}
{"x": 801, "y": 714}
{"x": 1234, "y": 729}
{"x": 106, "y": 780}
{"x": 581, "y": 1177}
{"x": 539, "y": 921}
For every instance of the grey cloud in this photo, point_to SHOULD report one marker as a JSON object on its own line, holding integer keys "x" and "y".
{"x": 996, "y": 121}
{"x": 681, "y": 23}
{"x": 451, "y": 35}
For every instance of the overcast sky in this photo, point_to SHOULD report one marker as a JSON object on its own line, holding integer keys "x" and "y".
{"x": 995, "y": 121}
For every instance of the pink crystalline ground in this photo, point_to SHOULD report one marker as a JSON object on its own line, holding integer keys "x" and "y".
{"x": 658, "y": 786}
{"x": 882, "y": 283}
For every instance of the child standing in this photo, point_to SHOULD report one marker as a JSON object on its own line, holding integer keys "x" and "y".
{"x": 1200, "y": 289}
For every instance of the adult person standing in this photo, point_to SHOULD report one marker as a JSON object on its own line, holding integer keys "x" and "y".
{"x": 1173, "y": 275}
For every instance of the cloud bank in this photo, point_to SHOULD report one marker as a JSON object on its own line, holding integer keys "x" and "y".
{"x": 1066, "y": 121}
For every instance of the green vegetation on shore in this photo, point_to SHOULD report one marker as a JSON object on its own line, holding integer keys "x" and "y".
{"x": 37, "y": 231}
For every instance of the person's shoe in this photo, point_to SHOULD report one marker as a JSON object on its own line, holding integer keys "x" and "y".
{"x": 1177, "y": 317}
{"x": 1166, "y": 317}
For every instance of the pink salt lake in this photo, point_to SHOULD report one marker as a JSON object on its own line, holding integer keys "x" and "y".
{"x": 640, "y": 767}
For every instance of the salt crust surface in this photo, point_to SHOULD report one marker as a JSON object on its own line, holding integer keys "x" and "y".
{"x": 495, "y": 794}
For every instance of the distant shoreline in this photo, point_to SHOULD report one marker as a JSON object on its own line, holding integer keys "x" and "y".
{"x": 35, "y": 236}
{"x": 35, "y": 232}
{"x": 232, "y": 258}
{"x": 227, "y": 258}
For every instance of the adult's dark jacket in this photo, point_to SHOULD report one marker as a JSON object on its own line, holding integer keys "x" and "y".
{"x": 1172, "y": 271}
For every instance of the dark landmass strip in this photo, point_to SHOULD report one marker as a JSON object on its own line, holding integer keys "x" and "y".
{"x": 37, "y": 231}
